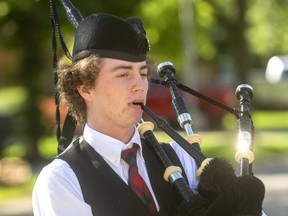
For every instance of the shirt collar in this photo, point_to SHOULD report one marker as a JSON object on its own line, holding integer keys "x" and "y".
{"x": 108, "y": 147}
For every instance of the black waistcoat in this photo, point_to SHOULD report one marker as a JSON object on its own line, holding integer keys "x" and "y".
{"x": 105, "y": 191}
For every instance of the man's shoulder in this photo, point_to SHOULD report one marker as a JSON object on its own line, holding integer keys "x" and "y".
{"x": 56, "y": 167}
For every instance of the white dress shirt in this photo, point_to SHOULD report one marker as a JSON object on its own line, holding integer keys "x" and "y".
{"x": 57, "y": 190}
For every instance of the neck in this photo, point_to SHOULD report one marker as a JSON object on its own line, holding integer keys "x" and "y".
{"x": 119, "y": 133}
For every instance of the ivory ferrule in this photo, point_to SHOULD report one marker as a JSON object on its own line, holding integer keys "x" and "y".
{"x": 244, "y": 154}
{"x": 195, "y": 138}
{"x": 203, "y": 164}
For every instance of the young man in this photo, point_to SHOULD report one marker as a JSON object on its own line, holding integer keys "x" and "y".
{"x": 101, "y": 88}
{"x": 109, "y": 74}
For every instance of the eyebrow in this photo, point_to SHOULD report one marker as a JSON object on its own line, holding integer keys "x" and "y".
{"x": 128, "y": 67}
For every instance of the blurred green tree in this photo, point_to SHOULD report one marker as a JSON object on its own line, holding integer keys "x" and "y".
{"x": 232, "y": 35}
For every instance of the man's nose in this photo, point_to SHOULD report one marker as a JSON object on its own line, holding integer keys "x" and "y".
{"x": 140, "y": 83}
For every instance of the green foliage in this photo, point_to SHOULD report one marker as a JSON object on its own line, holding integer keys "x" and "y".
{"x": 162, "y": 26}
{"x": 15, "y": 150}
{"x": 47, "y": 147}
{"x": 267, "y": 32}
{"x": 12, "y": 99}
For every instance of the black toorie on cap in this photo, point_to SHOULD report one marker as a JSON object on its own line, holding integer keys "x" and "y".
{"x": 111, "y": 37}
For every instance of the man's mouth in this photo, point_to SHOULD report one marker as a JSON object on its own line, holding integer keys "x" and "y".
{"x": 137, "y": 103}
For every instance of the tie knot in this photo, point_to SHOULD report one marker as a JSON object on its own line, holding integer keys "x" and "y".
{"x": 129, "y": 155}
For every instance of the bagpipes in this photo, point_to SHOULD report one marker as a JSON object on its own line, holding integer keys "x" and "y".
{"x": 220, "y": 191}
{"x": 218, "y": 183}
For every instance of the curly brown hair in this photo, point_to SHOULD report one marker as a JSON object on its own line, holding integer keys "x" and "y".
{"x": 83, "y": 72}
{"x": 70, "y": 76}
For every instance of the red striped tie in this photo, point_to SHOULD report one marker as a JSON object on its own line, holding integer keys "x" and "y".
{"x": 136, "y": 182}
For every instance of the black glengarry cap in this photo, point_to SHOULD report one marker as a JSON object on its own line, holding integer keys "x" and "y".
{"x": 111, "y": 37}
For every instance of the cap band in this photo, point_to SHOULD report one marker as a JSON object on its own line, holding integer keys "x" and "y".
{"x": 109, "y": 54}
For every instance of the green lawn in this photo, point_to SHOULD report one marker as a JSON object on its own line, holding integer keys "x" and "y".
{"x": 15, "y": 192}
{"x": 223, "y": 144}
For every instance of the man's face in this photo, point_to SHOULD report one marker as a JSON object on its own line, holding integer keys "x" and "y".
{"x": 119, "y": 85}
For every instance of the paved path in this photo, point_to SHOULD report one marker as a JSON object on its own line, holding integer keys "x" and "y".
{"x": 273, "y": 172}
{"x": 21, "y": 207}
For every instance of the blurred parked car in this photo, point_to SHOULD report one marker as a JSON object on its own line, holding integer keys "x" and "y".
{"x": 159, "y": 101}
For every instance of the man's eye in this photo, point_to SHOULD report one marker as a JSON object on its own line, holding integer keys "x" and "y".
{"x": 123, "y": 75}
{"x": 144, "y": 74}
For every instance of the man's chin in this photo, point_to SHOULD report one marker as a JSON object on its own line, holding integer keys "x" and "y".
{"x": 137, "y": 119}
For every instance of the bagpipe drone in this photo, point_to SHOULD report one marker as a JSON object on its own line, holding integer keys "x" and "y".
{"x": 220, "y": 191}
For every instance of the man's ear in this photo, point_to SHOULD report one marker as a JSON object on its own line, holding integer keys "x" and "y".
{"x": 84, "y": 92}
